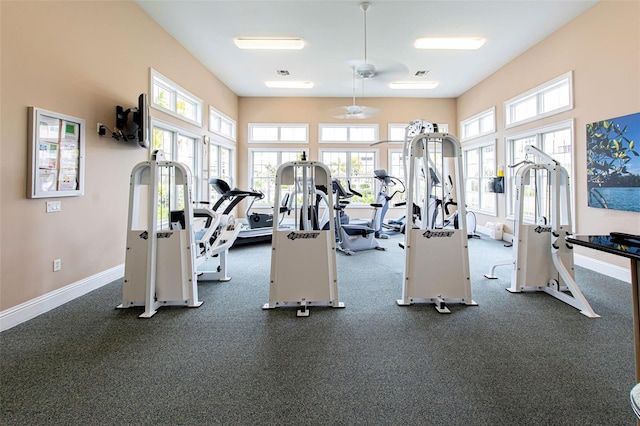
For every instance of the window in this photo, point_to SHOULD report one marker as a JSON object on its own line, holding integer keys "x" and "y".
{"x": 555, "y": 140}
{"x": 354, "y": 133}
{"x": 278, "y": 133}
{"x": 396, "y": 169}
{"x": 169, "y": 97}
{"x": 181, "y": 146}
{"x": 218, "y": 163}
{"x": 479, "y": 168}
{"x": 221, "y": 125}
{"x": 355, "y": 167}
{"x": 263, "y": 165}
{"x": 550, "y": 98}
{"x": 479, "y": 125}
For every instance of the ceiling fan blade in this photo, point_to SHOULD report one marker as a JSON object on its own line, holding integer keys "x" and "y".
{"x": 354, "y": 112}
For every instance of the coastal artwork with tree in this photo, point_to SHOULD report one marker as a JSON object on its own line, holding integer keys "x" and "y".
{"x": 613, "y": 163}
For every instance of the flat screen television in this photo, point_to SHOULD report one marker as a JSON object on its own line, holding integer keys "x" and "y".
{"x": 133, "y": 124}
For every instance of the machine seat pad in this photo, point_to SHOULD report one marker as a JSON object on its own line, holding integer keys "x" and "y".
{"x": 358, "y": 230}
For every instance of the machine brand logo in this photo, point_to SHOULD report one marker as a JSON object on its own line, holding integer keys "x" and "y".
{"x": 437, "y": 234}
{"x": 144, "y": 235}
{"x": 304, "y": 235}
{"x": 165, "y": 234}
{"x": 541, "y": 229}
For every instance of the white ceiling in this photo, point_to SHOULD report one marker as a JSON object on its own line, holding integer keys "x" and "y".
{"x": 334, "y": 34}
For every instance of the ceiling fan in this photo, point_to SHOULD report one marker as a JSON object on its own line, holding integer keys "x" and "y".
{"x": 365, "y": 70}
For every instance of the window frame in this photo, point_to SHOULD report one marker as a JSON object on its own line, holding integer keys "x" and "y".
{"x": 216, "y": 114}
{"x": 477, "y": 118}
{"x": 537, "y": 93}
{"x": 355, "y": 203}
{"x": 349, "y": 126}
{"x": 279, "y": 127}
{"x": 251, "y": 151}
{"x": 157, "y": 79}
{"x": 538, "y": 133}
{"x": 479, "y": 146}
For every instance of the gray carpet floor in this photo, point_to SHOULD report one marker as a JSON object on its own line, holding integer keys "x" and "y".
{"x": 515, "y": 359}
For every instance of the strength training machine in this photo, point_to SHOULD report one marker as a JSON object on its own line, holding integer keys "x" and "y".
{"x": 166, "y": 247}
{"x": 303, "y": 257}
{"x": 541, "y": 258}
{"x": 436, "y": 260}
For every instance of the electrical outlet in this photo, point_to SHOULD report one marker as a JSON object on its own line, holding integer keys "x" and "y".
{"x": 57, "y": 265}
{"x": 101, "y": 129}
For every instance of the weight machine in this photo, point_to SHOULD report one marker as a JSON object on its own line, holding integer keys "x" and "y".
{"x": 303, "y": 257}
{"x": 541, "y": 258}
{"x": 164, "y": 247}
{"x": 436, "y": 260}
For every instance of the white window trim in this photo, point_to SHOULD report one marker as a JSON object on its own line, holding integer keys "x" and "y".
{"x": 258, "y": 203}
{"x": 534, "y": 92}
{"x": 171, "y": 85}
{"x": 234, "y": 126}
{"x": 198, "y": 154}
{"x": 376, "y": 163}
{"x": 478, "y": 117}
{"x": 535, "y": 132}
{"x": 278, "y": 126}
{"x": 479, "y": 145}
{"x": 394, "y": 125}
{"x": 374, "y": 126}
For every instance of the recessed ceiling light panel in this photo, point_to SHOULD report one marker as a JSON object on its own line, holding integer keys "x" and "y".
{"x": 289, "y": 84}
{"x": 413, "y": 85}
{"x": 464, "y": 43}
{"x": 269, "y": 42}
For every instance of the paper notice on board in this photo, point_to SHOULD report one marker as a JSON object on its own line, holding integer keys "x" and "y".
{"x": 47, "y": 155}
{"x": 47, "y": 180}
{"x": 68, "y": 180}
{"x": 48, "y": 128}
{"x": 70, "y": 132}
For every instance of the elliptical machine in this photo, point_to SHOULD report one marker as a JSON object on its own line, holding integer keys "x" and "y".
{"x": 381, "y": 205}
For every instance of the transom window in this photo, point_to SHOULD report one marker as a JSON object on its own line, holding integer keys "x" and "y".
{"x": 221, "y": 124}
{"x": 550, "y": 98}
{"x": 355, "y": 167}
{"x": 478, "y": 125}
{"x": 278, "y": 133}
{"x": 172, "y": 99}
{"x": 355, "y": 133}
{"x": 479, "y": 168}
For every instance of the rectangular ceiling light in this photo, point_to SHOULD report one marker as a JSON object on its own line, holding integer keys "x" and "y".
{"x": 413, "y": 85}
{"x": 269, "y": 42}
{"x": 463, "y": 43}
{"x": 289, "y": 84}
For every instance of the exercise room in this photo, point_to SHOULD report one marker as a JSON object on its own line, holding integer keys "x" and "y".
{"x": 329, "y": 212}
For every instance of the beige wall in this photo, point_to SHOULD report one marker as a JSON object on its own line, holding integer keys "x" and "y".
{"x": 602, "y": 48}
{"x": 81, "y": 59}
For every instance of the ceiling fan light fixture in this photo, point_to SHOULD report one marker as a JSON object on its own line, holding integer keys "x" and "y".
{"x": 413, "y": 85}
{"x": 269, "y": 43}
{"x": 450, "y": 43}
{"x": 289, "y": 84}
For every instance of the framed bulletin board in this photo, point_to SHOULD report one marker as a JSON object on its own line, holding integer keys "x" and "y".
{"x": 56, "y": 152}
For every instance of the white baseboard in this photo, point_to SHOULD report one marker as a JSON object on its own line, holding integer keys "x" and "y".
{"x": 613, "y": 271}
{"x": 32, "y": 308}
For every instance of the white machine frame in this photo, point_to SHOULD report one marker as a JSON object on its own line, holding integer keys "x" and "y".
{"x": 161, "y": 264}
{"x": 542, "y": 261}
{"x": 436, "y": 260}
{"x": 303, "y": 258}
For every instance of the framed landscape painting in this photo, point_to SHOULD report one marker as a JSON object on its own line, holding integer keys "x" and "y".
{"x": 613, "y": 163}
